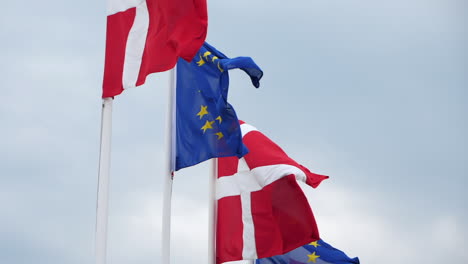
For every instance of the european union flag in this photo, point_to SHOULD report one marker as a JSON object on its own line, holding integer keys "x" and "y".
{"x": 316, "y": 252}
{"x": 206, "y": 124}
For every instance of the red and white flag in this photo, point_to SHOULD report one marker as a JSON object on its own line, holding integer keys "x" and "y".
{"x": 147, "y": 36}
{"x": 262, "y": 211}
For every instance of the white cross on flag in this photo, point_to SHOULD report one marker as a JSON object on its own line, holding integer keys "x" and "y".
{"x": 262, "y": 211}
{"x": 147, "y": 36}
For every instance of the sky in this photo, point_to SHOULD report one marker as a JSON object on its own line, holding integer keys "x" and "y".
{"x": 372, "y": 93}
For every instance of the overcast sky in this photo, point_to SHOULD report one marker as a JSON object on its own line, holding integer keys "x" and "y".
{"x": 372, "y": 93}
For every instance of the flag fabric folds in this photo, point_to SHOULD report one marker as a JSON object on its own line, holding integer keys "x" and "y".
{"x": 206, "y": 124}
{"x": 262, "y": 211}
{"x": 147, "y": 36}
{"x": 316, "y": 252}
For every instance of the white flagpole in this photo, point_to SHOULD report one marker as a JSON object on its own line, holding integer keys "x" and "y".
{"x": 103, "y": 182}
{"x": 169, "y": 169}
{"x": 212, "y": 212}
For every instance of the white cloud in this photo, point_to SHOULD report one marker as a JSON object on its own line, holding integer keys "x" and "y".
{"x": 135, "y": 233}
{"x": 362, "y": 224}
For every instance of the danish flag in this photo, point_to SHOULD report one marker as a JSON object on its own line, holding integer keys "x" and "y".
{"x": 262, "y": 211}
{"x": 147, "y": 36}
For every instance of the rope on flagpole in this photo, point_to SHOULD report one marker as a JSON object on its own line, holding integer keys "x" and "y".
{"x": 102, "y": 203}
{"x": 169, "y": 169}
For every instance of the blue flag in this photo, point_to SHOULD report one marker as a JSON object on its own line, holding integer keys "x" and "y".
{"x": 316, "y": 252}
{"x": 206, "y": 124}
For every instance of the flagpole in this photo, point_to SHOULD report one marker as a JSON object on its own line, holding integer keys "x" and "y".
{"x": 102, "y": 203}
{"x": 169, "y": 169}
{"x": 212, "y": 212}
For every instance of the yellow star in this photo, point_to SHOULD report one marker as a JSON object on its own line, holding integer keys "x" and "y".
{"x": 315, "y": 243}
{"x": 219, "y": 68}
{"x": 201, "y": 61}
{"x": 313, "y": 257}
{"x": 220, "y": 119}
{"x": 203, "y": 111}
{"x": 214, "y": 58}
{"x": 220, "y": 135}
{"x": 206, "y": 54}
{"x": 207, "y": 126}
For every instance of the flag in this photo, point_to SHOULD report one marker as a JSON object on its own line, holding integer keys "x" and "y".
{"x": 206, "y": 124}
{"x": 262, "y": 211}
{"x": 147, "y": 36}
{"x": 316, "y": 252}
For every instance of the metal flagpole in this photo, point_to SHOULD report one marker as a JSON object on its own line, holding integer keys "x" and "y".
{"x": 103, "y": 182}
{"x": 169, "y": 169}
{"x": 212, "y": 212}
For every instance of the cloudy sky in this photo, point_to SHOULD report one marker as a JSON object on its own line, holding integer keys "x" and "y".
{"x": 372, "y": 93}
